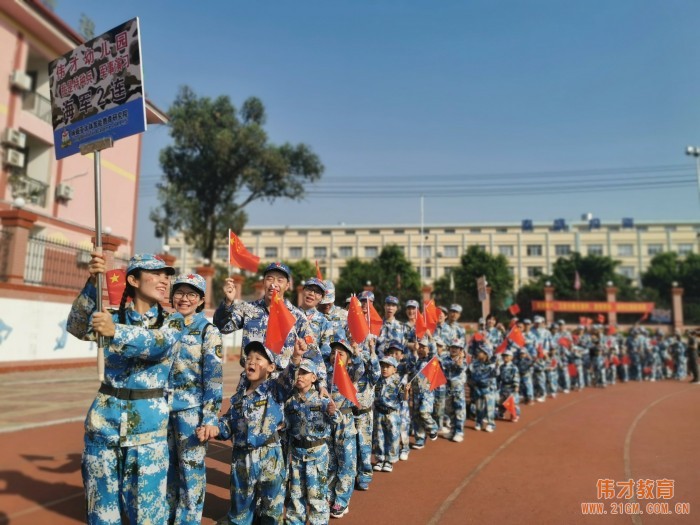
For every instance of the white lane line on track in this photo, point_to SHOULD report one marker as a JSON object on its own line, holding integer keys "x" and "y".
{"x": 30, "y": 426}
{"x": 456, "y": 492}
{"x": 636, "y": 518}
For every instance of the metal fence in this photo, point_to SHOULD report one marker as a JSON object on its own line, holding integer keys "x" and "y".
{"x": 55, "y": 263}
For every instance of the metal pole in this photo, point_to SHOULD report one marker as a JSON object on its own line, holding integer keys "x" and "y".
{"x": 98, "y": 249}
{"x": 422, "y": 276}
{"x": 697, "y": 173}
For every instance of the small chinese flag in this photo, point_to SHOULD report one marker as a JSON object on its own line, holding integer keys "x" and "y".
{"x": 565, "y": 342}
{"x": 375, "y": 320}
{"x": 577, "y": 281}
{"x": 357, "y": 322}
{"x": 601, "y": 318}
{"x": 431, "y": 316}
{"x": 644, "y": 317}
{"x": 517, "y": 336}
{"x": 615, "y": 360}
{"x": 502, "y": 347}
{"x": 342, "y": 380}
{"x": 279, "y": 324}
{"x": 509, "y": 405}
{"x": 626, "y": 360}
{"x": 573, "y": 370}
{"x": 240, "y": 256}
{"x": 434, "y": 374}
{"x": 540, "y": 352}
{"x": 421, "y": 327}
{"x": 611, "y": 330}
{"x": 514, "y": 309}
{"x": 319, "y": 275}
{"x": 116, "y": 284}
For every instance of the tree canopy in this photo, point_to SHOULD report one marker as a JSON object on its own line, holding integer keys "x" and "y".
{"x": 221, "y": 161}
{"x": 475, "y": 263}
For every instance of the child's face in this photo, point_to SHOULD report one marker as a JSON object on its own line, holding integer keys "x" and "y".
{"x": 343, "y": 355}
{"x": 455, "y": 351}
{"x": 440, "y": 349}
{"x": 304, "y": 380}
{"x": 481, "y": 356}
{"x": 396, "y": 354}
{"x": 507, "y": 358}
{"x": 387, "y": 369}
{"x": 390, "y": 309}
{"x": 422, "y": 351}
{"x": 257, "y": 367}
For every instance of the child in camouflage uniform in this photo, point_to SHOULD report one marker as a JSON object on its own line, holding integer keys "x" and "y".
{"x": 251, "y": 423}
{"x": 387, "y": 419}
{"x": 308, "y": 428}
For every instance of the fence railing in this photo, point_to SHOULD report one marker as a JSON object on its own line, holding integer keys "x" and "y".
{"x": 5, "y": 241}
{"x": 55, "y": 263}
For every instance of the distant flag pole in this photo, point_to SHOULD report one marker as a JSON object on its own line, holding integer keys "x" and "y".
{"x": 229, "y": 252}
{"x": 319, "y": 275}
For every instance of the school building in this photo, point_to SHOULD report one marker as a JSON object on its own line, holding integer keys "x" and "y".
{"x": 531, "y": 248}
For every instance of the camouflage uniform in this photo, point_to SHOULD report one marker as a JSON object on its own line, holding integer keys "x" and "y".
{"x": 423, "y": 400}
{"x": 456, "y": 403}
{"x": 387, "y": 420}
{"x": 308, "y": 429}
{"x": 196, "y": 380}
{"x": 125, "y": 459}
{"x": 391, "y": 331}
{"x": 508, "y": 384}
{"x": 257, "y": 463}
{"x": 364, "y": 417}
{"x": 482, "y": 380}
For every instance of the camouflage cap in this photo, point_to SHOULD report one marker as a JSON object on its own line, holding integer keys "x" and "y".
{"x": 193, "y": 279}
{"x": 389, "y": 361}
{"x": 366, "y": 296}
{"x": 309, "y": 366}
{"x": 148, "y": 261}
{"x": 411, "y": 303}
{"x": 258, "y": 346}
{"x": 279, "y": 267}
{"x": 329, "y": 294}
{"x": 456, "y": 308}
{"x": 315, "y": 282}
{"x": 390, "y": 299}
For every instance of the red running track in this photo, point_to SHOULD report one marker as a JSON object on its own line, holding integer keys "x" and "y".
{"x": 539, "y": 470}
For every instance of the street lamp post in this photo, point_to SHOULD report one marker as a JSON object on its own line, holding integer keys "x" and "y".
{"x": 694, "y": 151}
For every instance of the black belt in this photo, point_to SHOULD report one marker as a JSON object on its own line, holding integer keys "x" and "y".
{"x": 384, "y": 410}
{"x": 305, "y": 443}
{"x": 346, "y": 410}
{"x": 359, "y": 411}
{"x": 272, "y": 440}
{"x": 131, "y": 393}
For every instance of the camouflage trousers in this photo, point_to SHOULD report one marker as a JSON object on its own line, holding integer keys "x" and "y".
{"x": 405, "y": 415}
{"x": 308, "y": 483}
{"x": 539, "y": 377}
{"x": 486, "y": 408}
{"x": 187, "y": 474}
{"x": 257, "y": 485}
{"x": 423, "y": 421}
{"x": 526, "y": 389}
{"x": 456, "y": 408}
{"x": 363, "y": 424}
{"x": 564, "y": 378}
{"x": 387, "y": 435}
{"x": 440, "y": 394}
{"x": 342, "y": 466}
{"x": 128, "y": 480}
{"x": 552, "y": 380}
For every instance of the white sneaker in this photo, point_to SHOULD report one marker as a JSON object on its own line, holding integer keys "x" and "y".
{"x": 445, "y": 430}
{"x": 378, "y": 466}
{"x": 566, "y": 391}
{"x": 458, "y": 438}
{"x": 489, "y": 428}
{"x": 404, "y": 455}
{"x": 540, "y": 399}
{"x": 477, "y": 427}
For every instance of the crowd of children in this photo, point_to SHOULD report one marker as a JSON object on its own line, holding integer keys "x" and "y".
{"x": 298, "y": 436}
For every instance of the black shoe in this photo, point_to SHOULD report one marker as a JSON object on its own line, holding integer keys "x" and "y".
{"x": 433, "y": 436}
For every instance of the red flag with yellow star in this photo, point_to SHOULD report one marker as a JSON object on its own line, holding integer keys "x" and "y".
{"x": 279, "y": 324}
{"x": 357, "y": 322}
{"x": 116, "y": 283}
{"x": 509, "y": 405}
{"x": 319, "y": 275}
{"x": 434, "y": 374}
{"x": 431, "y": 316}
{"x": 239, "y": 255}
{"x": 421, "y": 327}
{"x": 342, "y": 380}
{"x": 375, "y": 320}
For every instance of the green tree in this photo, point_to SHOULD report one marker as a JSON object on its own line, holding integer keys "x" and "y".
{"x": 667, "y": 268}
{"x": 475, "y": 263}
{"x": 390, "y": 274}
{"x": 221, "y": 161}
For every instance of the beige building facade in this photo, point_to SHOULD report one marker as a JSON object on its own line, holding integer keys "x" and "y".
{"x": 530, "y": 252}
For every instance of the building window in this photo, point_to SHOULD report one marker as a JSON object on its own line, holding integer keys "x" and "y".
{"x": 685, "y": 249}
{"x": 653, "y": 249}
{"x": 374, "y": 232}
{"x": 595, "y": 249}
{"x": 255, "y": 232}
{"x": 506, "y": 249}
{"x": 270, "y": 252}
{"x": 371, "y": 251}
{"x": 450, "y": 230}
{"x": 349, "y": 232}
{"x": 562, "y": 249}
{"x": 626, "y": 271}
{"x": 428, "y": 272}
{"x": 474, "y": 230}
{"x": 534, "y": 250}
{"x": 177, "y": 253}
{"x": 534, "y": 271}
{"x": 295, "y": 252}
{"x": 426, "y": 251}
{"x": 320, "y": 252}
{"x": 501, "y": 230}
{"x": 625, "y": 250}
{"x": 280, "y": 233}
{"x": 511, "y": 270}
{"x": 399, "y": 232}
{"x": 451, "y": 251}
{"x": 325, "y": 232}
{"x": 345, "y": 251}
{"x": 670, "y": 228}
{"x": 221, "y": 253}
{"x": 303, "y": 232}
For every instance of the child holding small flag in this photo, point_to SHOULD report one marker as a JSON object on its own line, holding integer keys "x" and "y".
{"x": 508, "y": 386}
{"x": 396, "y": 350}
{"x": 346, "y": 368}
{"x": 422, "y": 395}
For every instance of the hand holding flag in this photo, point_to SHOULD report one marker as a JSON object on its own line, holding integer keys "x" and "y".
{"x": 432, "y": 371}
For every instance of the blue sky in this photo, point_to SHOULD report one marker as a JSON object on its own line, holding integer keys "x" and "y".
{"x": 448, "y": 92}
